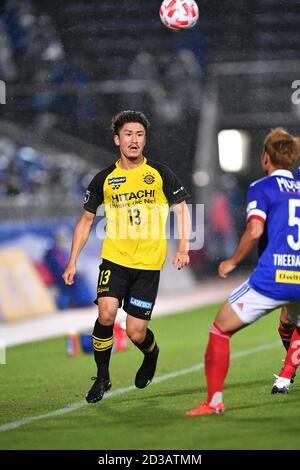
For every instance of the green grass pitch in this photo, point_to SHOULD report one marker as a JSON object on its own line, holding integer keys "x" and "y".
{"x": 39, "y": 378}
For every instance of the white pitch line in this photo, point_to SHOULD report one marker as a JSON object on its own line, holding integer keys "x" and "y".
{"x": 121, "y": 391}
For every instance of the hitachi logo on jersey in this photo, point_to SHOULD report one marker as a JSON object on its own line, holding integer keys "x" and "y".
{"x": 121, "y": 179}
{"x": 291, "y": 186}
{"x": 138, "y": 195}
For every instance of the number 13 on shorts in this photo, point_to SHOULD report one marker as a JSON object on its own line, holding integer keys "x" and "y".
{"x": 104, "y": 277}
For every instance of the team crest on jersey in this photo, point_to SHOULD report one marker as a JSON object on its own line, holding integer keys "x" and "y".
{"x": 117, "y": 181}
{"x": 149, "y": 178}
{"x": 87, "y": 196}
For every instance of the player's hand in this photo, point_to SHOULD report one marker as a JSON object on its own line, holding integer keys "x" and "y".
{"x": 69, "y": 274}
{"x": 225, "y": 267}
{"x": 181, "y": 260}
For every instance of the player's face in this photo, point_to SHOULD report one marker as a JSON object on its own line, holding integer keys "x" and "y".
{"x": 131, "y": 140}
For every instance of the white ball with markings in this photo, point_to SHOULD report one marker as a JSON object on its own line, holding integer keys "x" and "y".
{"x": 179, "y": 15}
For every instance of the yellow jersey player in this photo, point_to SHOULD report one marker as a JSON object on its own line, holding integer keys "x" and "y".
{"x": 136, "y": 193}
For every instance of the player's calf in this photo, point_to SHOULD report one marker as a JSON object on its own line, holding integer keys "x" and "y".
{"x": 146, "y": 372}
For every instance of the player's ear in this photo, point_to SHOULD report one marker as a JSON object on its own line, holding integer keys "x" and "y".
{"x": 266, "y": 158}
{"x": 116, "y": 139}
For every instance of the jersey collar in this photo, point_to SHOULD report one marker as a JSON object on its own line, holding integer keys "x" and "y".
{"x": 286, "y": 173}
{"x": 134, "y": 169}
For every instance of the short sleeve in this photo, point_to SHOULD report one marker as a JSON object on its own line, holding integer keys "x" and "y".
{"x": 257, "y": 202}
{"x": 173, "y": 189}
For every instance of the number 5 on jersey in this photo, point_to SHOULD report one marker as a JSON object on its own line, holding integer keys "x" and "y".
{"x": 294, "y": 220}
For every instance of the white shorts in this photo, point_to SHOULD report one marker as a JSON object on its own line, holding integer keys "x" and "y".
{"x": 249, "y": 305}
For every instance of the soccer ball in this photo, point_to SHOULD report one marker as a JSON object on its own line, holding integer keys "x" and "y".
{"x": 179, "y": 15}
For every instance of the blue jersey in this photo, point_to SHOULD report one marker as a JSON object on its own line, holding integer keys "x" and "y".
{"x": 275, "y": 200}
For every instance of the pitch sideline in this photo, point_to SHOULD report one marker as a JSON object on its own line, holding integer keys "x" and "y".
{"x": 75, "y": 406}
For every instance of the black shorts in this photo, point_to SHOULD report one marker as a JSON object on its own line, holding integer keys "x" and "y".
{"x": 136, "y": 288}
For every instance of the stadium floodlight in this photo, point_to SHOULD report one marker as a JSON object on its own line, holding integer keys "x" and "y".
{"x": 201, "y": 178}
{"x": 233, "y": 149}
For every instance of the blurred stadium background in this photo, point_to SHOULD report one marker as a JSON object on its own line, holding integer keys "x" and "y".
{"x": 69, "y": 66}
{"x": 211, "y": 94}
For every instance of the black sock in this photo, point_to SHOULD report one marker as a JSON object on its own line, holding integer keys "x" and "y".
{"x": 149, "y": 344}
{"x": 102, "y": 343}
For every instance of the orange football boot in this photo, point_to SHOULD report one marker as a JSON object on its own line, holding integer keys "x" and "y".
{"x": 206, "y": 409}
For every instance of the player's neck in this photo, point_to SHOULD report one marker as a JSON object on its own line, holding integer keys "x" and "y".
{"x": 271, "y": 170}
{"x": 130, "y": 164}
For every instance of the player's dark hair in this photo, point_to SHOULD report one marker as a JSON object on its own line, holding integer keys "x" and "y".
{"x": 282, "y": 148}
{"x": 124, "y": 117}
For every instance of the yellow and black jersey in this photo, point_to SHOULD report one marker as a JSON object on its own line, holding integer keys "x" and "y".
{"x": 136, "y": 207}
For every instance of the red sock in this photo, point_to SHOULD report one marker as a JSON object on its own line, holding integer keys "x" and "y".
{"x": 292, "y": 359}
{"x": 285, "y": 334}
{"x": 216, "y": 362}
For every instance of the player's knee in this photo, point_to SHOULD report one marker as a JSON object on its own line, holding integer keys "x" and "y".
{"x": 106, "y": 317}
{"x": 285, "y": 322}
{"x": 107, "y": 312}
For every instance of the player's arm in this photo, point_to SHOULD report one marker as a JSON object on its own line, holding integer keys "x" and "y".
{"x": 249, "y": 239}
{"x": 80, "y": 236}
{"x": 176, "y": 195}
{"x": 182, "y": 259}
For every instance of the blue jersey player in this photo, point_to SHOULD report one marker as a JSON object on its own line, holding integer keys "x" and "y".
{"x": 273, "y": 221}
{"x": 291, "y": 340}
